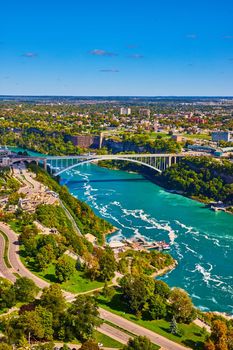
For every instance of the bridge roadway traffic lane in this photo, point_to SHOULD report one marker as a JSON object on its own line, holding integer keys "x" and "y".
{"x": 105, "y": 315}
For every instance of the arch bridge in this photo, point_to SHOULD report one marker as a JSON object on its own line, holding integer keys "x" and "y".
{"x": 157, "y": 162}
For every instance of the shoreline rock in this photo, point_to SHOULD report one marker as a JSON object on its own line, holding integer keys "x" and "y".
{"x": 113, "y": 230}
{"x": 165, "y": 270}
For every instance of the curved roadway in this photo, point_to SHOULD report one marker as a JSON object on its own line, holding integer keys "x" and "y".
{"x": 121, "y": 322}
{"x": 14, "y": 259}
{"x": 4, "y": 270}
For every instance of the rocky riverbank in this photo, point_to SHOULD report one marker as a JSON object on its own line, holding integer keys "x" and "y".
{"x": 165, "y": 270}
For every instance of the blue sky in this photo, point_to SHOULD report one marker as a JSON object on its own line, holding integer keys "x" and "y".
{"x": 124, "y": 47}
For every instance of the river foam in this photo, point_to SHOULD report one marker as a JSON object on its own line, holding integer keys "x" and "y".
{"x": 203, "y": 248}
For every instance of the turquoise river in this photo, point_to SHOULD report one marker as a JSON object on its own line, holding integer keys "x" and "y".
{"x": 201, "y": 240}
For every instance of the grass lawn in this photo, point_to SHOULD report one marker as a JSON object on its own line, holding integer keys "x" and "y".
{"x": 78, "y": 283}
{"x": 107, "y": 341}
{"x": 6, "y": 248}
{"x": 197, "y": 136}
{"x": 14, "y": 225}
{"x": 192, "y": 335}
{"x": 154, "y": 135}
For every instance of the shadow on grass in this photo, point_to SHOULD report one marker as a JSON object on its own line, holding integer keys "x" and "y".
{"x": 197, "y": 334}
{"x": 193, "y": 345}
{"x": 166, "y": 330}
{"x": 23, "y": 253}
{"x": 51, "y": 278}
{"x": 117, "y": 303}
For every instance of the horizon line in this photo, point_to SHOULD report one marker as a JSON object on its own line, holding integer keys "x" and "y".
{"x": 147, "y": 96}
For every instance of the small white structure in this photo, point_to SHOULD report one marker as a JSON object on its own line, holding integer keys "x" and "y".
{"x": 91, "y": 238}
{"x": 117, "y": 247}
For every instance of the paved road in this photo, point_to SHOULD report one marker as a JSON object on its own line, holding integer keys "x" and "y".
{"x": 114, "y": 333}
{"x": 14, "y": 258}
{"x": 4, "y": 270}
{"x": 138, "y": 330}
{"x": 106, "y": 315}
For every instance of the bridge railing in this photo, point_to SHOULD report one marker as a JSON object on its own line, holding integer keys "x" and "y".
{"x": 158, "y": 162}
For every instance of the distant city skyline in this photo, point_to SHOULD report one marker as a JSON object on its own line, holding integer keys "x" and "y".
{"x": 125, "y": 48}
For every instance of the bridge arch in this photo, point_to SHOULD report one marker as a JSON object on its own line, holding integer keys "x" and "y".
{"x": 100, "y": 159}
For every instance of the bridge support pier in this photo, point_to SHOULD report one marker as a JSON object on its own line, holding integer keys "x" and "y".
{"x": 45, "y": 164}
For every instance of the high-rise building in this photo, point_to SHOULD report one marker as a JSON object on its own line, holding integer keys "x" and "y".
{"x": 125, "y": 110}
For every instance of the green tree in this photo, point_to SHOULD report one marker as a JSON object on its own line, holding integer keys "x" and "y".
{"x": 46, "y": 318}
{"x": 53, "y": 300}
{"x": 173, "y": 326}
{"x": 137, "y": 290}
{"x": 64, "y": 268}
{"x": 162, "y": 289}
{"x": 139, "y": 343}
{"x": 5, "y": 346}
{"x": 37, "y": 323}
{"x": 157, "y": 307}
{"x": 44, "y": 346}
{"x": 107, "y": 265}
{"x": 45, "y": 256}
{"x": 90, "y": 345}
{"x": 7, "y": 293}
{"x": 181, "y": 306}
{"x": 7, "y": 297}
{"x": 108, "y": 292}
{"x": 30, "y": 245}
{"x": 84, "y": 317}
{"x": 25, "y": 289}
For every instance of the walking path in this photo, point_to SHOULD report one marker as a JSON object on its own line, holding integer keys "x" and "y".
{"x": 70, "y": 217}
{"x": 202, "y": 324}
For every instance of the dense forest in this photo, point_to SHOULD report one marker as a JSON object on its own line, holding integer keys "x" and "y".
{"x": 84, "y": 216}
{"x": 203, "y": 177}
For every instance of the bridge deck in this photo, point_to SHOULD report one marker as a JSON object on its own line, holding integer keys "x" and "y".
{"x": 112, "y": 156}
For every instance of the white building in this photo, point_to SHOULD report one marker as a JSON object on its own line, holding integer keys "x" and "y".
{"x": 125, "y": 110}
